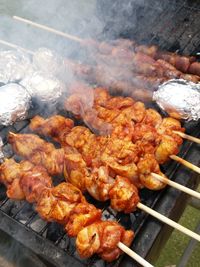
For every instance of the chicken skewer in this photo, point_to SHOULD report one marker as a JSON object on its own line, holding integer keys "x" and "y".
{"x": 138, "y": 93}
{"x": 49, "y": 127}
{"x": 130, "y": 194}
{"x": 183, "y": 63}
{"x": 186, "y": 163}
{"x": 121, "y": 113}
{"x": 66, "y": 205}
{"x": 188, "y": 137}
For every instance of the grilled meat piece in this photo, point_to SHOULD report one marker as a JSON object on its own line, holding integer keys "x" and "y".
{"x": 83, "y": 214}
{"x": 57, "y": 203}
{"x": 102, "y": 238}
{"x": 23, "y": 180}
{"x": 146, "y": 166}
{"x": 124, "y": 195}
{"x": 55, "y": 126}
{"x": 194, "y": 68}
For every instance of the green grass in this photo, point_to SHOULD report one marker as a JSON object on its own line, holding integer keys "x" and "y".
{"x": 177, "y": 243}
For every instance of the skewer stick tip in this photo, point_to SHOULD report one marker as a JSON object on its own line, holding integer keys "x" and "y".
{"x": 12, "y": 134}
{"x": 176, "y": 185}
{"x": 134, "y": 255}
{"x": 168, "y": 221}
{"x": 186, "y": 163}
{"x": 188, "y": 137}
{"x": 49, "y": 29}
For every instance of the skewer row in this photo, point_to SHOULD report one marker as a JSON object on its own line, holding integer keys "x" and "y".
{"x": 19, "y": 141}
{"x": 183, "y": 135}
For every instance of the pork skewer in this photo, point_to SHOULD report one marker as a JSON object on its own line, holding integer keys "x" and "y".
{"x": 183, "y": 63}
{"x": 135, "y": 202}
{"x": 26, "y": 181}
{"x": 50, "y": 126}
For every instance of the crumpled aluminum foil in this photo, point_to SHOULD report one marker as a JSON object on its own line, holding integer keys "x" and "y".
{"x": 49, "y": 62}
{"x": 43, "y": 87}
{"x": 179, "y": 98}
{"x": 15, "y": 102}
{"x": 14, "y": 65}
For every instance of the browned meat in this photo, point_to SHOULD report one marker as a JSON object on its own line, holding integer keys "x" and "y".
{"x": 195, "y": 68}
{"x": 102, "y": 238}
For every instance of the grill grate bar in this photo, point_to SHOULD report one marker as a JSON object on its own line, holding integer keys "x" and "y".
{"x": 59, "y": 239}
{"x": 162, "y": 29}
{"x": 32, "y": 216}
{"x": 19, "y": 210}
{"x": 4, "y": 202}
{"x": 41, "y": 232}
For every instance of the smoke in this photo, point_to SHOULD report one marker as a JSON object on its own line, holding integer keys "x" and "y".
{"x": 12, "y": 254}
{"x": 86, "y": 19}
{"x": 74, "y": 17}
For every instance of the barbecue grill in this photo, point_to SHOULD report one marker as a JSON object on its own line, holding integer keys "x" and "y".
{"x": 173, "y": 27}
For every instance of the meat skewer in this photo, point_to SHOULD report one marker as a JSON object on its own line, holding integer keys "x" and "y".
{"x": 183, "y": 63}
{"x": 74, "y": 38}
{"x": 188, "y": 137}
{"x": 16, "y": 47}
{"x": 120, "y": 118}
{"x": 66, "y": 205}
{"x": 122, "y": 182}
{"x": 48, "y": 128}
{"x": 186, "y": 163}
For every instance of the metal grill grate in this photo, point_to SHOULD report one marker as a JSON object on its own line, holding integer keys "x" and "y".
{"x": 20, "y": 216}
{"x": 23, "y": 213}
{"x": 174, "y": 27}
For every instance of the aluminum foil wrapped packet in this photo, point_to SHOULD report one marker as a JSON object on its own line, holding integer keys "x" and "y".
{"x": 179, "y": 98}
{"x": 49, "y": 62}
{"x": 14, "y": 66}
{"x": 15, "y": 102}
{"x": 43, "y": 87}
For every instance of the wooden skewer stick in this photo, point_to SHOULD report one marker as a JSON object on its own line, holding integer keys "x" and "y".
{"x": 186, "y": 163}
{"x": 134, "y": 255}
{"x": 49, "y": 29}
{"x": 188, "y": 137}
{"x": 16, "y": 46}
{"x": 168, "y": 221}
{"x": 176, "y": 185}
